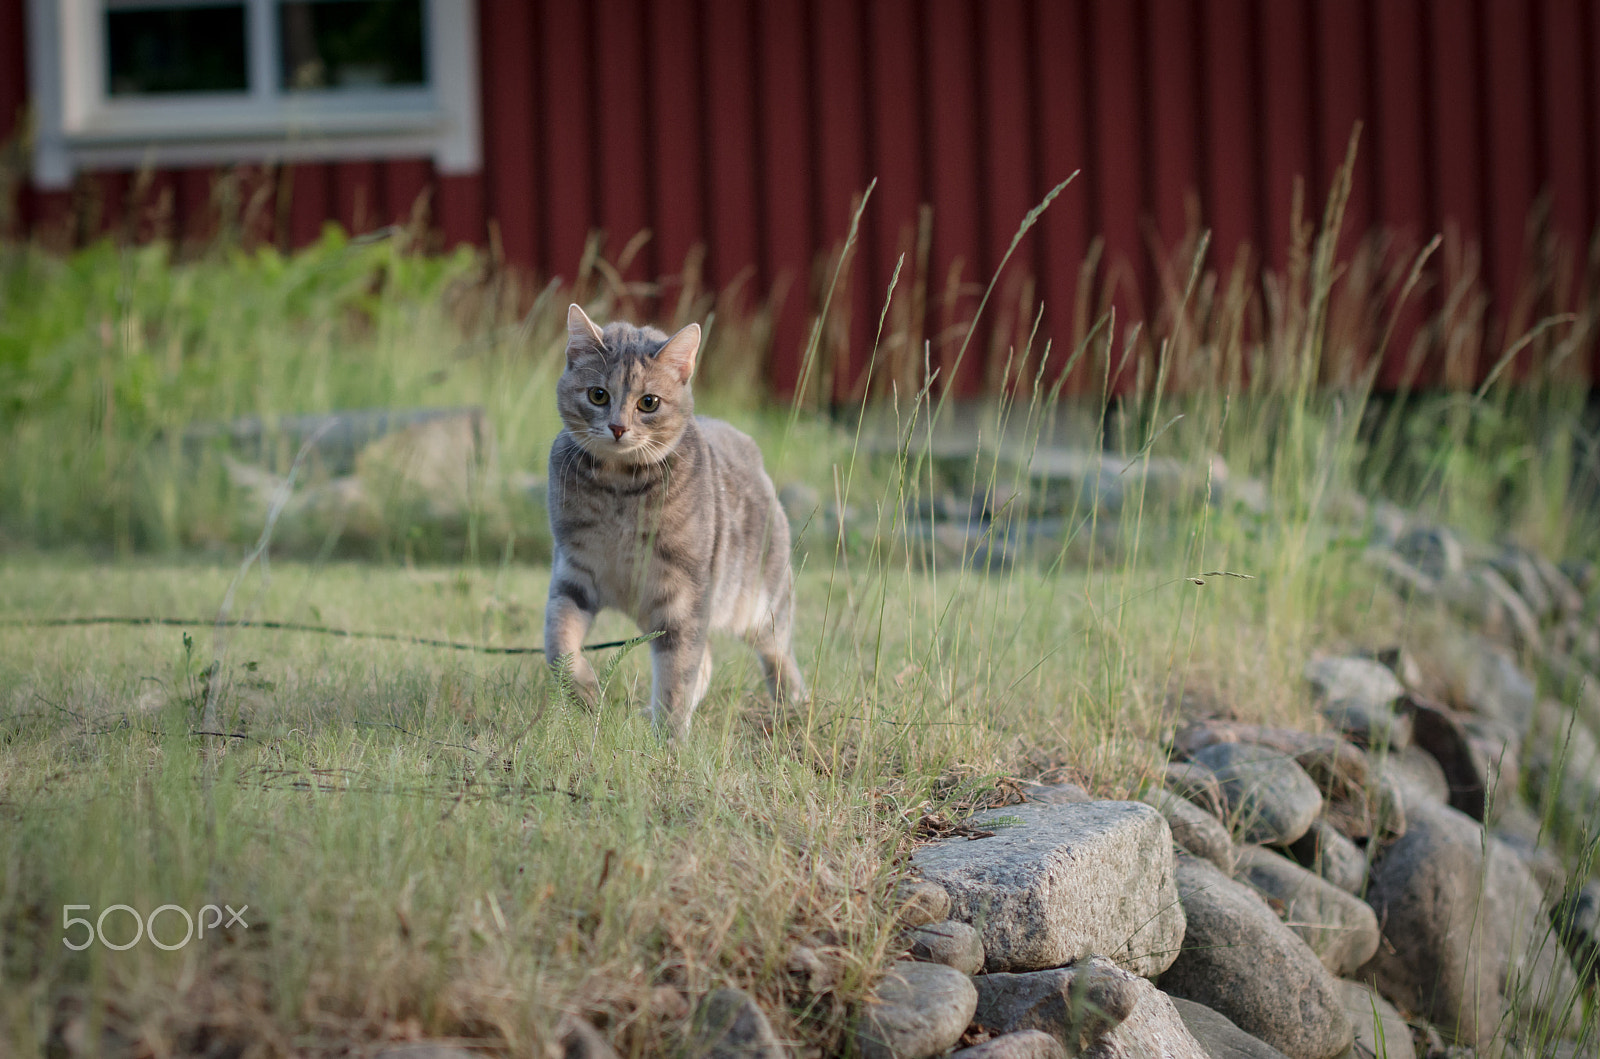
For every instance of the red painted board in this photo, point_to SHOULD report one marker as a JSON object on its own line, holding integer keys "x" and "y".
{"x": 619, "y": 65}
{"x": 953, "y": 152}
{"x": 1173, "y": 93}
{"x": 460, "y": 208}
{"x": 1065, "y": 230}
{"x": 1288, "y": 151}
{"x": 787, "y": 158}
{"x": 840, "y": 102}
{"x": 1232, "y": 177}
{"x": 733, "y": 222}
{"x": 1457, "y": 148}
{"x": 357, "y": 196}
{"x": 110, "y": 192}
{"x": 1566, "y": 125}
{"x": 1399, "y": 138}
{"x": 1512, "y": 156}
{"x": 567, "y": 101}
{"x": 405, "y": 182}
{"x": 509, "y": 54}
{"x": 310, "y": 201}
{"x": 677, "y": 151}
{"x": 196, "y": 220}
{"x": 896, "y": 155}
{"x": 1118, "y": 117}
{"x": 1343, "y": 60}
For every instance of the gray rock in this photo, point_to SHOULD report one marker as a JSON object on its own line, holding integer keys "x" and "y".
{"x": 1058, "y": 882}
{"x": 1577, "y": 921}
{"x": 1497, "y": 754}
{"x": 948, "y": 942}
{"x": 1239, "y": 959}
{"x": 1217, "y": 1034}
{"x": 1327, "y": 852}
{"x": 1521, "y": 622}
{"x": 1432, "y": 549}
{"x": 1469, "y": 932}
{"x": 1094, "y": 1008}
{"x": 580, "y": 1040}
{"x": 1340, "y": 928}
{"x": 918, "y": 1010}
{"x": 1519, "y": 571}
{"x": 1270, "y": 798}
{"x": 1193, "y": 829}
{"x": 1380, "y": 1031}
{"x": 1564, "y": 765}
{"x": 1493, "y": 684}
{"x": 1564, "y": 595}
{"x": 1196, "y": 783}
{"x": 1525, "y": 834}
{"x": 728, "y": 1024}
{"x": 921, "y": 902}
{"x": 1024, "y": 1044}
{"x": 1584, "y": 574}
{"x": 1356, "y": 680}
{"x": 1419, "y": 777}
{"x": 1369, "y": 724}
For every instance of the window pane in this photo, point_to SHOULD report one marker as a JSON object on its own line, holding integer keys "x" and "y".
{"x": 352, "y": 43}
{"x": 194, "y": 48}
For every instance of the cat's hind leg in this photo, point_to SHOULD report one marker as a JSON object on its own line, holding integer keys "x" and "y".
{"x": 680, "y": 673}
{"x": 778, "y": 665}
{"x": 567, "y": 617}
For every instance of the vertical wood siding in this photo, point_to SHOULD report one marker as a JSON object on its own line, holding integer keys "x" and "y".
{"x": 741, "y": 134}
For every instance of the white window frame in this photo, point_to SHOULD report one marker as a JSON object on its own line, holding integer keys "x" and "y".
{"x": 79, "y": 126}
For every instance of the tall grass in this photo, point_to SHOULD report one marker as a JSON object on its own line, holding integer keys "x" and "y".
{"x": 435, "y": 845}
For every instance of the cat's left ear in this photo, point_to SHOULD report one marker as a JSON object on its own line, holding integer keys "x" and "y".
{"x": 680, "y": 352}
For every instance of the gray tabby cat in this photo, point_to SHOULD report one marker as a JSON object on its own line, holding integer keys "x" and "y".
{"x": 666, "y": 516}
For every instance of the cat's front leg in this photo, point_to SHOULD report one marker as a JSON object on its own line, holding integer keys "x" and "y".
{"x": 567, "y": 617}
{"x": 680, "y": 672}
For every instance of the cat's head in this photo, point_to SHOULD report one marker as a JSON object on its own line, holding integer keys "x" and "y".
{"x": 625, "y": 395}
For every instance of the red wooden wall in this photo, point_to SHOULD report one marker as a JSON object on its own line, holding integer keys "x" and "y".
{"x": 750, "y": 126}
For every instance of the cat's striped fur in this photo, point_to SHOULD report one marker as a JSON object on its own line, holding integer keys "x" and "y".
{"x": 663, "y": 515}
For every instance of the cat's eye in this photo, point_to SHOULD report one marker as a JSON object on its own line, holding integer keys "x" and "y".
{"x": 598, "y": 395}
{"x": 649, "y": 403}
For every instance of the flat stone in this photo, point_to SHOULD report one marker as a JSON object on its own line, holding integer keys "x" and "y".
{"x": 1193, "y": 829}
{"x": 1239, "y": 959}
{"x": 1407, "y": 581}
{"x": 1219, "y": 1036}
{"x": 1056, "y": 793}
{"x": 1381, "y": 1033}
{"x": 1058, "y": 882}
{"x": 1442, "y": 732}
{"x": 1525, "y": 834}
{"x": 1337, "y": 768}
{"x": 1521, "y": 622}
{"x": 1468, "y": 930}
{"x": 1094, "y": 1009}
{"x": 918, "y": 1010}
{"x": 729, "y": 1024}
{"x": 921, "y": 902}
{"x": 1340, "y": 928}
{"x": 1270, "y": 798}
{"x": 1520, "y": 572}
{"x": 1356, "y": 680}
{"x": 1564, "y": 595}
{"x": 426, "y": 1050}
{"x": 1326, "y": 851}
{"x": 1024, "y": 1044}
{"x": 949, "y": 942}
{"x": 1432, "y": 549}
{"x": 1494, "y": 685}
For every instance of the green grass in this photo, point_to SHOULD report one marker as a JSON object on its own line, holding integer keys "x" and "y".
{"x": 432, "y": 843}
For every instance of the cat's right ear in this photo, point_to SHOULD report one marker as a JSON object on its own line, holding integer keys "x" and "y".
{"x": 582, "y": 332}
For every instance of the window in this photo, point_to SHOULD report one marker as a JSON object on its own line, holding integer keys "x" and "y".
{"x": 196, "y": 82}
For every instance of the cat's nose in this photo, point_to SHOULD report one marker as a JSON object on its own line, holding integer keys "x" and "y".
{"x": 617, "y": 430}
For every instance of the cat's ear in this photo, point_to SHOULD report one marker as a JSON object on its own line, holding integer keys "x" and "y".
{"x": 680, "y": 352}
{"x": 581, "y": 331}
